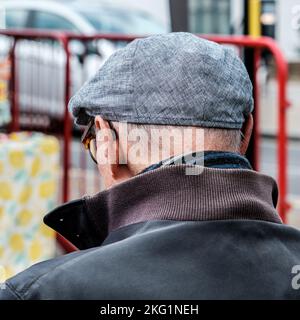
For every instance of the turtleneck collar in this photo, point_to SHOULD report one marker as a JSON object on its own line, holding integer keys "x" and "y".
{"x": 211, "y": 159}
{"x": 167, "y": 193}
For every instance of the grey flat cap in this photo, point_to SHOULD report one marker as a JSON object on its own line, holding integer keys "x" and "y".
{"x": 172, "y": 79}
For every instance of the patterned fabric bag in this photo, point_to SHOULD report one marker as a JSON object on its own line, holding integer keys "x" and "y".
{"x": 29, "y": 167}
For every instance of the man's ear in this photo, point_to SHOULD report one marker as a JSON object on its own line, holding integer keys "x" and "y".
{"x": 246, "y": 131}
{"x": 112, "y": 171}
{"x": 110, "y": 138}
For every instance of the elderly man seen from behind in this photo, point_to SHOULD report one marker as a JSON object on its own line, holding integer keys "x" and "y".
{"x": 184, "y": 216}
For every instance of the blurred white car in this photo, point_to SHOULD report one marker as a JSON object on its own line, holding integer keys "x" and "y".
{"x": 84, "y": 17}
{"x": 40, "y": 63}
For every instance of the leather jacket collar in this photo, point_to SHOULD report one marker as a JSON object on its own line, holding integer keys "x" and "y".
{"x": 167, "y": 193}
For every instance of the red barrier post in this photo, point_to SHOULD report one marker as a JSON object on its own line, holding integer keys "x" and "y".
{"x": 15, "y": 125}
{"x": 282, "y": 76}
{"x": 67, "y": 122}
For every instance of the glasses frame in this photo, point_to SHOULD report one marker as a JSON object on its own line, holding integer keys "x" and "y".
{"x": 88, "y": 135}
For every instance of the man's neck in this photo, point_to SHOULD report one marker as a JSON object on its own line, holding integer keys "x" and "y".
{"x": 212, "y": 159}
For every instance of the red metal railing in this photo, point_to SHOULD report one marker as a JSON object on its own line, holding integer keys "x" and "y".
{"x": 282, "y": 76}
{"x": 257, "y": 44}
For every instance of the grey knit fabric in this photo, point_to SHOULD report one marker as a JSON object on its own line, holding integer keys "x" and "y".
{"x": 175, "y": 78}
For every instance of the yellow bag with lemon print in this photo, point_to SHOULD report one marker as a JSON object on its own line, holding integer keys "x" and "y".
{"x": 29, "y": 168}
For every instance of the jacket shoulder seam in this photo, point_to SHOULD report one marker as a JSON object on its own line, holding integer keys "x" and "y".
{"x": 14, "y": 291}
{"x": 29, "y": 286}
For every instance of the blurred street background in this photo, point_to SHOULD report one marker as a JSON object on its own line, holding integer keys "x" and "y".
{"x": 48, "y": 49}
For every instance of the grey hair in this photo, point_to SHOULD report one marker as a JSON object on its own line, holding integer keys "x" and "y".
{"x": 227, "y": 139}
{"x": 221, "y": 139}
